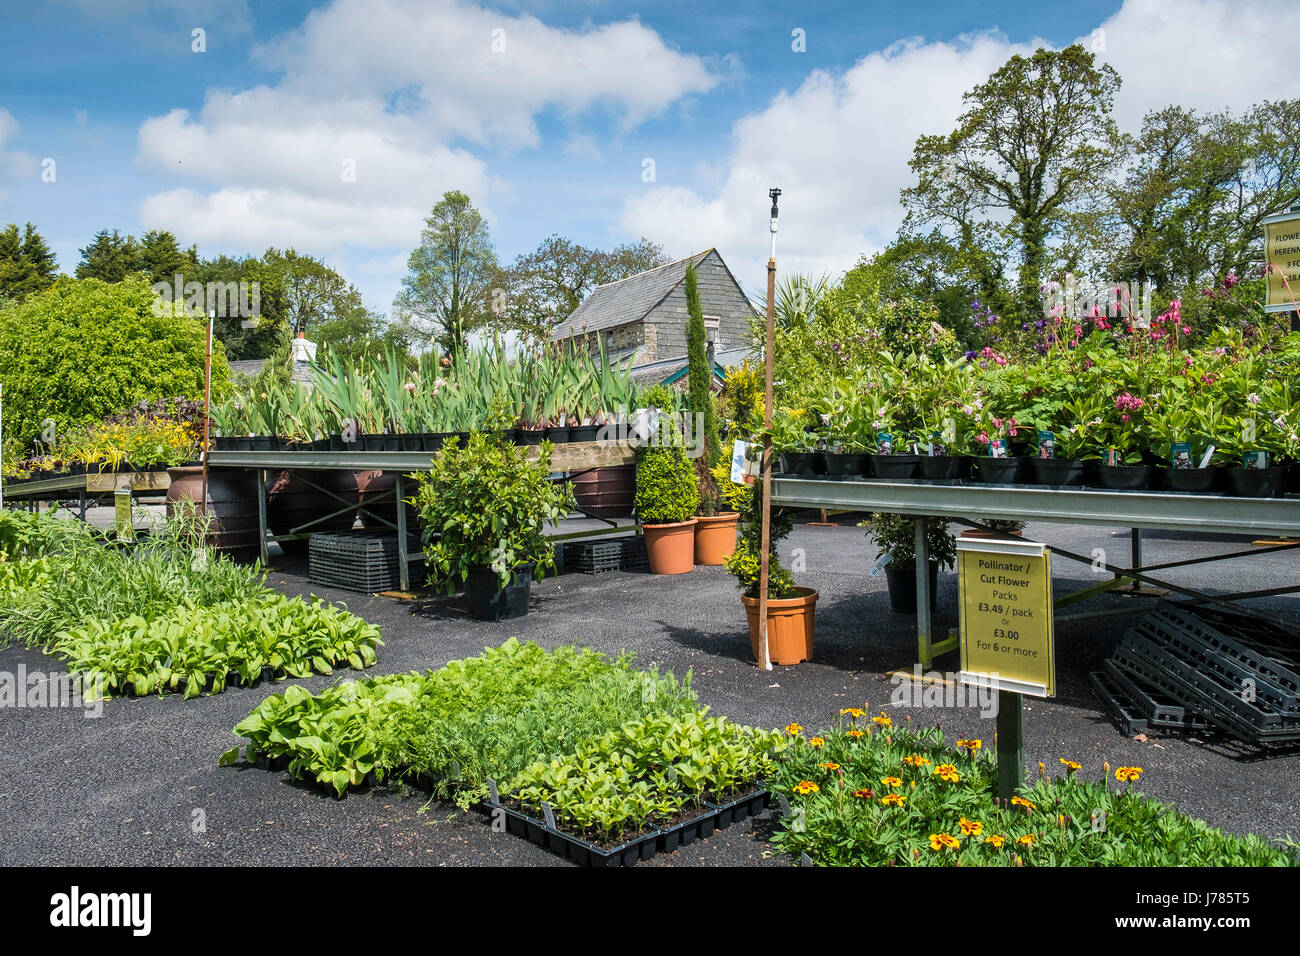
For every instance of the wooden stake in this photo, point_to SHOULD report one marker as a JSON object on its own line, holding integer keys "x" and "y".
{"x": 207, "y": 411}
{"x": 769, "y": 345}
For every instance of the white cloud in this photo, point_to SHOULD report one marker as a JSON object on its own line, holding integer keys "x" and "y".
{"x": 839, "y": 144}
{"x": 13, "y": 162}
{"x": 390, "y": 88}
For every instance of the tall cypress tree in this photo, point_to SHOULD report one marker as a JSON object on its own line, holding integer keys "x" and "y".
{"x": 701, "y": 396}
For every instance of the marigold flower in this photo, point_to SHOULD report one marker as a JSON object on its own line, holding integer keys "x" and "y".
{"x": 893, "y": 799}
{"x": 1071, "y": 766}
{"x": 915, "y": 760}
{"x": 793, "y": 729}
{"x": 864, "y": 793}
{"x": 891, "y": 781}
{"x": 882, "y": 720}
{"x": 1128, "y": 774}
{"x": 1028, "y": 839}
{"x": 946, "y": 771}
{"x": 854, "y": 712}
{"x": 830, "y": 765}
{"x": 943, "y": 841}
{"x": 805, "y": 787}
{"x": 995, "y": 840}
{"x": 855, "y": 734}
{"x": 1022, "y": 802}
{"x": 817, "y": 741}
{"x": 970, "y": 827}
{"x": 971, "y": 745}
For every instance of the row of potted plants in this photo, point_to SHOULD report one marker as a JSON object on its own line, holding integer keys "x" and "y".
{"x": 1223, "y": 416}
{"x": 392, "y": 402}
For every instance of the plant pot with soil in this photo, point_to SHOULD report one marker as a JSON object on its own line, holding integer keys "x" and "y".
{"x": 492, "y": 504}
{"x": 895, "y": 539}
{"x": 666, "y": 500}
{"x": 791, "y": 610}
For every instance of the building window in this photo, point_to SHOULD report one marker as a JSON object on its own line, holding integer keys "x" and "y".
{"x": 713, "y": 330}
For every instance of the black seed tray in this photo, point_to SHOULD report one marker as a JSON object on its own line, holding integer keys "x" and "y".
{"x": 610, "y": 554}
{"x": 357, "y": 561}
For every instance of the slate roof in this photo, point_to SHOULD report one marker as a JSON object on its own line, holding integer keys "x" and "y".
{"x": 627, "y": 300}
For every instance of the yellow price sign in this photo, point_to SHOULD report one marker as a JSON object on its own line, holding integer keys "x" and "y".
{"x": 1282, "y": 255}
{"x": 1006, "y": 615}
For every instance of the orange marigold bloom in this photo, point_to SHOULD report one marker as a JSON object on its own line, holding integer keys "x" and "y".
{"x": 1128, "y": 774}
{"x": 817, "y": 741}
{"x": 805, "y": 787}
{"x": 882, "y": 720}
{"x": 1022, "y": 802}
{"x": 915, "y": 760}
{"x": 971, "y": 745}
{"x": 1027, "y": 840}
{"x": 970, "y": 827}
{"x": 942, "y": 841}
{"x": 995, "y": 839}
{"x": 854, "y": 712}
{"x": 855, "y": 734}
{"x": 1071, "y": 766}
{"x": 864, "y": 793}
{"x": 893, "y": 799}
{"x": 948, "y": 772}
{"x": 891, "y": 781}
{"x": 792, "y": 729}
{"x": 830, "y": 765}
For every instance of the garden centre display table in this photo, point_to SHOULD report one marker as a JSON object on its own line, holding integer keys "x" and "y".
{"x": 1136, "y": 510}
{"x": 565, "y": 457}
{"x": 87, "y": 488}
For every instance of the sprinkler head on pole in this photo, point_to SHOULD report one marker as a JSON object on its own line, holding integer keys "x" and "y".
{"x": 774, "y": 193}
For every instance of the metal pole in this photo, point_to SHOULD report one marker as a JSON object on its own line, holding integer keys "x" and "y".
{"x": 765, "y": 517}
{"x": 261, "y": 514}
{"x": 1135, "y": 554}
{"x": 207, "y": 413}
{"x": 1011, "y": 744}
{"x": 403, "y": 565}
{"x": 922, "y": 553}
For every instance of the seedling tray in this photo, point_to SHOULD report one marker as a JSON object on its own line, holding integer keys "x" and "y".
{"x": 739, "y": 808}
{"x": 356, "y": 561}
{"x": 610, "y": 554}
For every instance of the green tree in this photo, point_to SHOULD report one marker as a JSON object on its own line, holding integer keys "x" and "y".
{"x": 701, "y": 393}
{"x": 26, "y": 264}
{"x": 83, "y": 349}
{"x": 110, "y": 257}
{"x": 446, "y": 292}
{"x": 1032, "y": 150}
{"x": 160, "y": 257}
{"x": 546, "y": 285}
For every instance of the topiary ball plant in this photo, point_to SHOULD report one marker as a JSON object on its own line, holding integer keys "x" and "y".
{"x": 666, "y": 491}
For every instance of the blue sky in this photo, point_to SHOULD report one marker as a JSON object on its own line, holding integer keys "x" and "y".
{"x": 550, "y": 133}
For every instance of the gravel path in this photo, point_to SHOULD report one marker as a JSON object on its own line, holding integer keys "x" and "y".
{"x": 140, "y": 785}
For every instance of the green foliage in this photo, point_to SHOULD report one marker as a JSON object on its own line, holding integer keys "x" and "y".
{"x": 189, "y": 649}
{"x": 488, "y": 506}
{"x": 482, "y": 717}
{"x": 666, "y": 490}
{"x": 745, "y": 563}
{"x": 26, "y": 264}
{"x": 92, "y": 580}
{"x": 896, "y": 535}
{"x": 647, "y": 772}
{"x": 82, "y": 350}
{"x": 701, "y": 394}
{"x": 742, "y": 399}
{"x": 885, "y": 802}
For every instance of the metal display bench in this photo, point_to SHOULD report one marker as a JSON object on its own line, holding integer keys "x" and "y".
{"x": 566, "y": 459}
{"x": 1135, "y": 510}
{"x": 87, "y": 489}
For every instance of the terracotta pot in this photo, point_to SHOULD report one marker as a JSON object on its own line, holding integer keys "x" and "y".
{"x": 670, "y": 547}
{"x": 715, "y": 538}
{"x": 790, "y": 625}
{"x": 231, "y": 503}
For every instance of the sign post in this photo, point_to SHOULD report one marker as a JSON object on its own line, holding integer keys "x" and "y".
{"x": 1007, "y": 641}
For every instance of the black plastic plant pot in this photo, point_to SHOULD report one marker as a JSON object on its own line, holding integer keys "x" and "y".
{"x": 392, "y": 441}
{"x": 222, "y": 443}
{"x": 433, "y": 440}
{"x": 529, "y": 436}
{"x": 1004, "y": 471}
{"x": 264, "y": 443}
{"x": 738, "y": 809}
{"x": 486, "y": 600}
{"x": 1060, "y": 471}
{"x": 945, "y": 466}
{"x": 902, "y": 588}
{"x": 1294, "y": 479}
{"x": 1202, "y": 481}
{"x": 411, "y": 441}
{"x": 322, "y": 444}
{"x": 1257, "y": 482}
{"x": 1125, "y": 477}
{"x": 803, "y": 464}
{"x": 559, "y": 434}
{"x": 895, "y": 466}
{"x": 584, "y": 432}
{"x": 847, "y": 465}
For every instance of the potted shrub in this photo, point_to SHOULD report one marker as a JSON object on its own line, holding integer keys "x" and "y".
{"x": 895, "y": 537}
{"x": 945, "y": 398}
{"x": 791, "y": 610}
{"x": 667, "y": 497}
{"x": 489, "y": 504}
{"x": 846, "y": 423}
{"x": 801, "y": 456}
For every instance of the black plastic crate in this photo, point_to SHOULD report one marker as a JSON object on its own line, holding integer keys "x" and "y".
{"x": 357, "y": 560}
{"x": 607, "y": 554}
